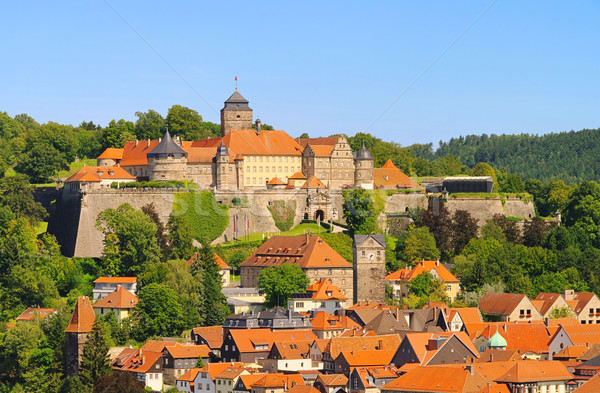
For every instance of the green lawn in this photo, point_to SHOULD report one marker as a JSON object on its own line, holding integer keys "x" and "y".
{"x": 298, "y": 230}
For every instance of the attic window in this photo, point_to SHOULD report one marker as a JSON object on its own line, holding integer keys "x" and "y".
{"x": 386, "y": 177}
{"x": 111, "y": 173}
{"x": 100, "y": 173}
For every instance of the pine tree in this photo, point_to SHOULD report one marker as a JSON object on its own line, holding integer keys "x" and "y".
{"x": 95, "y": 361}
{"x": 214, "y": 307}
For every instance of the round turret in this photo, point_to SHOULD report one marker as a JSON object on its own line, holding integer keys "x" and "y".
{"x": 222, "y": 150}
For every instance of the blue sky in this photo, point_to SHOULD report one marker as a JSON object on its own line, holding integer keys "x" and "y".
{"x": 316, "y": 67}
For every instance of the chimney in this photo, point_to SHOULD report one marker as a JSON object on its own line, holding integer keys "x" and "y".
{"x": 437, "y": 263}
{"x": 546, "y": 321}
{"x": 257, "y": 124}
{"x": 380, "y": 345}
{"x": 289, "y": 314}
{"x": 148, "y": 142}
{"x": 159, "y": 140}
{"x": 569, "y": 294}
{"x": 136, "y": 142}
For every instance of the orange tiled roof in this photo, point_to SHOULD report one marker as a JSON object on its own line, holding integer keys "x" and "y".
{"x": 582, "y": 334}
{"x": 324, "y": 290}
{"x": 327, "y": 141}
{"x": 115, "y": 280}
{"x": 591, "y": 386}
{"x": 295, "y": 250}
{"x": 120, "y": 298}
{"x": 212, "y": 334}
{"x": 220, "y": 262}
{"x": 303, "y": 389}
{"x": 468, "y": 315}
{"x": 83, "y": 316}
{"x": 429, "y": 266}
{"x": 135, "y": 153}
{"x": 201, "y": 155}
{"x": 495, "y": 388}
{"x": 388, "y": 342}
{"x": 231, "y": 372}
{"x": 111, "y": 153}
{"x": 32, "y": 312}
{"x": 398, "y": 275}
{"x": 189, "y": 375}
{"x": 214, "y": 369}
{"x": 323, "y": 321}
{"x": 141, "y": 362}
{"x": 364, "y": 358}
{"x": 296, "y": 349}
{"x": 278, "y": 380}
{"x": 544, "y": 301}
{"x": 523, "y": 337}
{"x": 297, "y": 175}
{"x": 189, "y": 351}
{"x": 500, "y": 303}
{"x": 157, "y": 345}
{"x": 389, "y": 176}
{"x": 250, "y": 143}
{"x": 249, "y": 379}
{"x": 436, "y": 379}
{"x": 275, "y": 182}
{"x": 571, "y": 352}
{"x": 313, "y": 182}
{"x": 245, "y": 338}
{"x": 583, "y": 298}
{"x": 534, "y": 371}
{"x": 333, "y": 379}
{"x": 322, "y": 150}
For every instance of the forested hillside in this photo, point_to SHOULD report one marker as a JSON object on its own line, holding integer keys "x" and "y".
{"x": 567, "y": 156}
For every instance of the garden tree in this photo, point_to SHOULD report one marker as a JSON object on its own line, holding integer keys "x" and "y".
{"x": 360, "y": 211}
{"x": 278, "y": 283}
{"x": 16, "y": 349}
{"x": 510, "y": 182}
{"x": 135, "y": 238}
{"x": 16, "y": 193}
{"x": 472, "y": 298}
{"x": 464, "y": 228}
{"x": 200, "y": 363}
{"x": 214, "y": 307}
{"x": 382, "y": 151}
{"x": 180, "y": 239}
{"x": 535, "y": 231}
{"x": 149, "y": 125}
{"x": 183, "y": 121}
{"x": 190, "y": 290}
{"x": 452, "y": 165}
{"x": 24, "y": 287}
{"x": 484, "y": 169}
{"x": 40, "y": 162}
{"x": 492, "y": 231}
{"x": 95, "y": 361}
{"x": 415, "y": 245}
{"x": 158, "y": 312}
{"x": 119, "y": 383}
{"x": 509, "y": 227}
{"x": 438, "y": 220}
{"x": 557, "y": 282}
{"x": 117, "y": 133}
{"x": 562, "y": 312}
{"x": 161, "y": 232}
{"x": 90, "y": 144}
{"x": 422, "y": 285}
{"x": 304, "y": 135}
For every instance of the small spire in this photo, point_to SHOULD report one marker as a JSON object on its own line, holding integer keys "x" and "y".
{"x": 236, "y": 81}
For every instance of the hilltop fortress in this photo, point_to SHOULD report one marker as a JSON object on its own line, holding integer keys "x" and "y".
{"x": 257, "y": 166}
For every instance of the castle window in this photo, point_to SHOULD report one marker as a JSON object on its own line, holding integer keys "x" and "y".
{"x": 286, "y": 159}
{"x": 247, "y": 180}
{"x": 320, "y": 164}
{"x": 260, "y": 169}
{"x": 254, "y": 158}
{"x": 279, "y": 158}
{"x": 260, "y": 159}
{"x": 267, "y": 169}
{"x": 273, "y": 169}
{"x": 279, "y": 168}
{"x": 253, "y": 169}
{"x": 286, "y": 168}
{"x": 335, "y": 164}
{"x": 253, "y": 180}
{"x": 230, "y": 169}
{"x": 266, "y": 159}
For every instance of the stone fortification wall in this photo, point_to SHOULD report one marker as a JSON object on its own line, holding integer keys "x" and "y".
{"x": 483, "y": 209}
{"x": 89, "y": 238}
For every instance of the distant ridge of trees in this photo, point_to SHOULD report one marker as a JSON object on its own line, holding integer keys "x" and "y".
{"x": 568, "y": 156}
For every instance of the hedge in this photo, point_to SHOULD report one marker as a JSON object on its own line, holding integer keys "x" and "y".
{"x": 207, "y": 218}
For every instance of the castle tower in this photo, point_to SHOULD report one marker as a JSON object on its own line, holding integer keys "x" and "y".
{"x": 223, "y": 168}
{"x": 77, "y": 332}
{"x": 369, "y": 268}
{"x": 236, "y": 114}
{"x": 167, "y": 161}
{"x": 363, "y": 169}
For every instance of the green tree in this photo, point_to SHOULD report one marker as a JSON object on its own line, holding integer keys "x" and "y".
{"x": 360, "y": 212}
{"x": 41, "y": 162}
{"x": 214, "y": 304}
{"x": 492, "y": 231}
{"x": 417, "y": 244}
{"x": 158, "y": 312}
{"x": 149, "y": 125}
{"x": 180, "y": 238}
{"x": 16, "y": 193}
{"x": 422, "y": 285}
{"x": 95, "y": 361}
{"x": 190, "y": 290}
{"x": 439, "y": 221}
{"x": 134, "y": 237}
{"x": 161, "y": 232}
{"x": 119, "y": 383}
{"x": 535, "y": 231}
{"x": 278, "y": 283}
{"x": 484, "y": 169}
{"x": 117, "y": 133}
{"x": 464, "y": 228}
{"x": 182, "y": 120}
{"x": 562, "y": 312}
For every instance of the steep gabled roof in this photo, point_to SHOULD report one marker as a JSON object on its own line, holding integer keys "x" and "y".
{"x": 136, "y": 153}
{"x": 325, "y": 290}
{"x": 323, "y": 321}
{"x": 188, "y": 351}
{"x": 523, "y": 337}
{"x": 120, "y": 298}
{"x": 431, "y": 266}
{"x": 468, "y": 315}
{"x": 32, "y": 312}
{"x": 582, "y": 334}
{"x": 332, "y": 379}
{"x": 389, "y": 342}
{"x": 212, "y": 334}
{"x": 295, "y": 250}
{"x": 278, "y": 380}
{"x": 360, "y": 239}
{"x": 246, "y": 339}
{"x": 438, "y": 379}
{"x": 111, "y": 153}
{"x": 365, "y": 358}
{"x": 591, "y": 386}
{"x": 189, "y": 376}
{"x": 534, "y": 371}
{"x": 218, "y": 261}
{"x": 92, "y": 174}
{"x": 251, "y": 143}
{"x": 583, "y": 298}
{"x": 313, "y": 182}
{"x": 297, "y": 349}
{"x": 498, "y": 303}
{"x": 389, "y": 176}
{"x": 214, "y": 369}
{"x": 419, "y": 343}
{"x": 83, "y": 316}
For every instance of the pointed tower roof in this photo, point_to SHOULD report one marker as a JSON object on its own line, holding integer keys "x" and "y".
{"x": 236, "y": 102}
{"x": 167, "y": 146}
{"x": 83, "y": 316}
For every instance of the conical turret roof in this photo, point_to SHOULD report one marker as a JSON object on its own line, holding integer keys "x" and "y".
{"x": 83, "y": 316}
{"x": 167, "y": 146}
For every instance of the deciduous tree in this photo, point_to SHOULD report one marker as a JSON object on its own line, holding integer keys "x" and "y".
{"x": 280, "y": 282}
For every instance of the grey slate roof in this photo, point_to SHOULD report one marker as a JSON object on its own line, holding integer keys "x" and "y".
{"x": 167, "y": 146}
{"x": 360, "y": 239}
{"x": 236, "y": 102}
{"x": 222, "y": 150}
{"x": 363, "y": 154}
